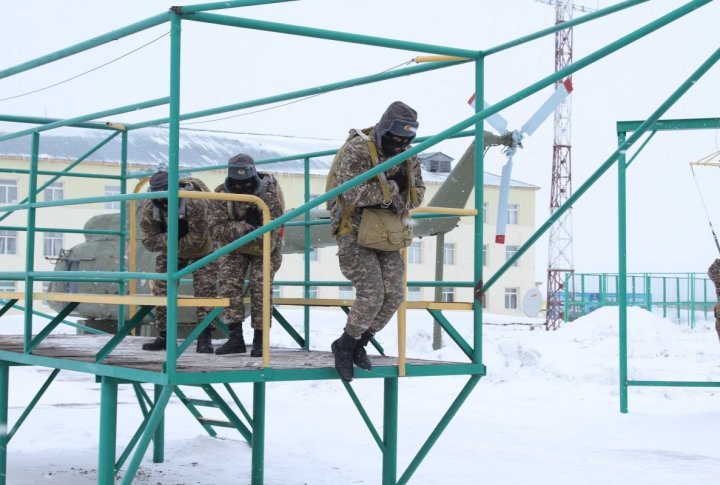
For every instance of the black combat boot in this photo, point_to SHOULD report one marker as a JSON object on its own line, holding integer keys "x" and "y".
{"x": 204, "y": 343}
{"x": 257, "y": 344}
{"x": 235, "y": 344}
{"x": 158, "y": 344}
{"x": 360, "y": 357}
{"x": 343, "y": 349}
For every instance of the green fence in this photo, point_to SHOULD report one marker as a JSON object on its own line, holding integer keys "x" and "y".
{"x": 680, "y": 297}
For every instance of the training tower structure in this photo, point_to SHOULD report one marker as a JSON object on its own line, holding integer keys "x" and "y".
{"x": 110, "y": 358}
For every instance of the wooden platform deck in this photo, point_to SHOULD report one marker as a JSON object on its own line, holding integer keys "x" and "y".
{"x": 130, "y": 354}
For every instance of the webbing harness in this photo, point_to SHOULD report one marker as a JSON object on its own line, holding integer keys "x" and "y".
{"x": 347, "y": 210}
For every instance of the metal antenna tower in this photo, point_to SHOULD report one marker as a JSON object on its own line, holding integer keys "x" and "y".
{"x": 560, "y": 245}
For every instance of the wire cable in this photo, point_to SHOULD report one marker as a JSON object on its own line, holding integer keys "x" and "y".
{"x": 86, "y": 72}
{"x": 283, "y": 104}
{"x": 702, "y": 199}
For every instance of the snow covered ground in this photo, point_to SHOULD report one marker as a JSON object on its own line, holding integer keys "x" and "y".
{"x": 547, "y": 413}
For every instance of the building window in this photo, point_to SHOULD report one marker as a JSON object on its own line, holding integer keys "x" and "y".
{"x": 511, "y": 298}
{"x": 346, "y": 292}
{"x": 7, "y": 286}
{"x": 414, "y": 293}
{"x": 512, "y": 213}
{"x": 8, "y": 242}
{"x": 448, "y": 294}
{"x": 510, "y": 252}
{"x": 52, "y": 243}
{"x": 8, "y": 191}
{"x": 449, "y": 253}
{"x": 485, "y": 255}
{"x": 313, "y": 292}
{"x": 275, "y": 291}
{"x": 54, "y": 191}
{"x": 415, "y": 253}
{"x": 485, "y": 212}
{"x": 313, "y": 254}
{"x": 111, "y": 190}
{"x": 46, "y": 287}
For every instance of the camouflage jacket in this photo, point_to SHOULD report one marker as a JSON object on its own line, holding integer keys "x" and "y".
{"x": 354, "y": 159}
{"x": 227, "y": 219}
{"x": 714, "y": 274}
{"x": 195, "y": 244}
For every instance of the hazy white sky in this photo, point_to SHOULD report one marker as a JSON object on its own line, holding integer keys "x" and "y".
{"x": 222, "y": 65}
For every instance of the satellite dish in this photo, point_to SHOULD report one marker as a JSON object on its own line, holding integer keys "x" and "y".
{"x": 532, "y": 302}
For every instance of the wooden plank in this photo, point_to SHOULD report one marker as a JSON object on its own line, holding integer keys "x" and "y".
{"x": 415, "y": 305}
{"x": 139, "y": 300}
{"x": 129, "y": 353}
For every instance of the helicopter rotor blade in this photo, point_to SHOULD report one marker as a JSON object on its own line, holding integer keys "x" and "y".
{"x": 557, "y": 97}
{"x": 503, "y": 201}
{"x": 496, "y": 121}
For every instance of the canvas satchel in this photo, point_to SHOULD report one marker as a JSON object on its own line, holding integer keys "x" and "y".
{"x": 384, "y": 230}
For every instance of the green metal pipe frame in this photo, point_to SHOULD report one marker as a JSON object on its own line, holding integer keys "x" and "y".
{"x": 660, "y": 125}
{"x": 108, "y": 430}
{"x": 4, "y": 439}
{"x": 258, "y": 437}
{"x": 230, "y": 4}
{"x": 154, "y": 422}
{"x": 390, "y": 431}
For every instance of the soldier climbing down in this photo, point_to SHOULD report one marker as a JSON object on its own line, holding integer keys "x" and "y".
{"x": 231, "y": 220}
{"x": 193, "y": 243}
{"x": 376, "y": 274}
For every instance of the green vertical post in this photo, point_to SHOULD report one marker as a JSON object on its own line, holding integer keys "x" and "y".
{"x": 390, "y": 432}
{"x": 122, "y": 266}
{"x": 664, "y": 287}
{"x": 258, "y": 435}
{"x": 108, "y": 430}
{"x": 691, "y": 282}
{"x": 30, "y": 242}
{"x": 705, "y": 299}
{"x": 306, "y": 287}
{"x": 622, "y": 274}
{"x": 648, "y": 292}
{"x": 678, "y": 297}
{"x": 4, "y": 390}
{"x": 159, "y": 435}
{"x": 479, "y": 198}
{"x": 173, "y": 176}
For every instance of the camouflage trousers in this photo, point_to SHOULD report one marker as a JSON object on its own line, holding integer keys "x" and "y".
{"x": 378, "y": 280}
{"x": 717, "y": 318}
{"x": 204, "y": 284}
{"x": 232, "y": 270}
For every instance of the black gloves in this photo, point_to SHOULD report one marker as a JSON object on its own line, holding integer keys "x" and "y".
{"x": 253, "y": 216}
{"x": 183, "y": 228}
{"x": 401, "y": 180}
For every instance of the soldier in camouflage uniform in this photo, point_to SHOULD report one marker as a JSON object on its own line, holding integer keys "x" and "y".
{"x": 376, "y": 275}
{"x": 193, "y": 243}
{"x": 714, "y": 274}
{"x": 232, "y": 220}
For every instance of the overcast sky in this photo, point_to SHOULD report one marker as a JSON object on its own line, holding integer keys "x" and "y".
{"x": 222, "y": 65}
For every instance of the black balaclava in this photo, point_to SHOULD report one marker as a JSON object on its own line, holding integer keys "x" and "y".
{"x": 396, "y": 129}
{"x": 159, "y": 183}
{"x": 242, "y": 175}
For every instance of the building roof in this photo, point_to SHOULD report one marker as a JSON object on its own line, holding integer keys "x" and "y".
{"x": 149, "y": 147}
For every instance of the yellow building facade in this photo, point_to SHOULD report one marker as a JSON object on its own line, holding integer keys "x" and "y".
{"x": 505, "y": 297}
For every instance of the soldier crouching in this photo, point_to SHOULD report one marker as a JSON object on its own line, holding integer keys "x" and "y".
{"x": 231, "y": 220}
{"x": 193, "y": 243}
